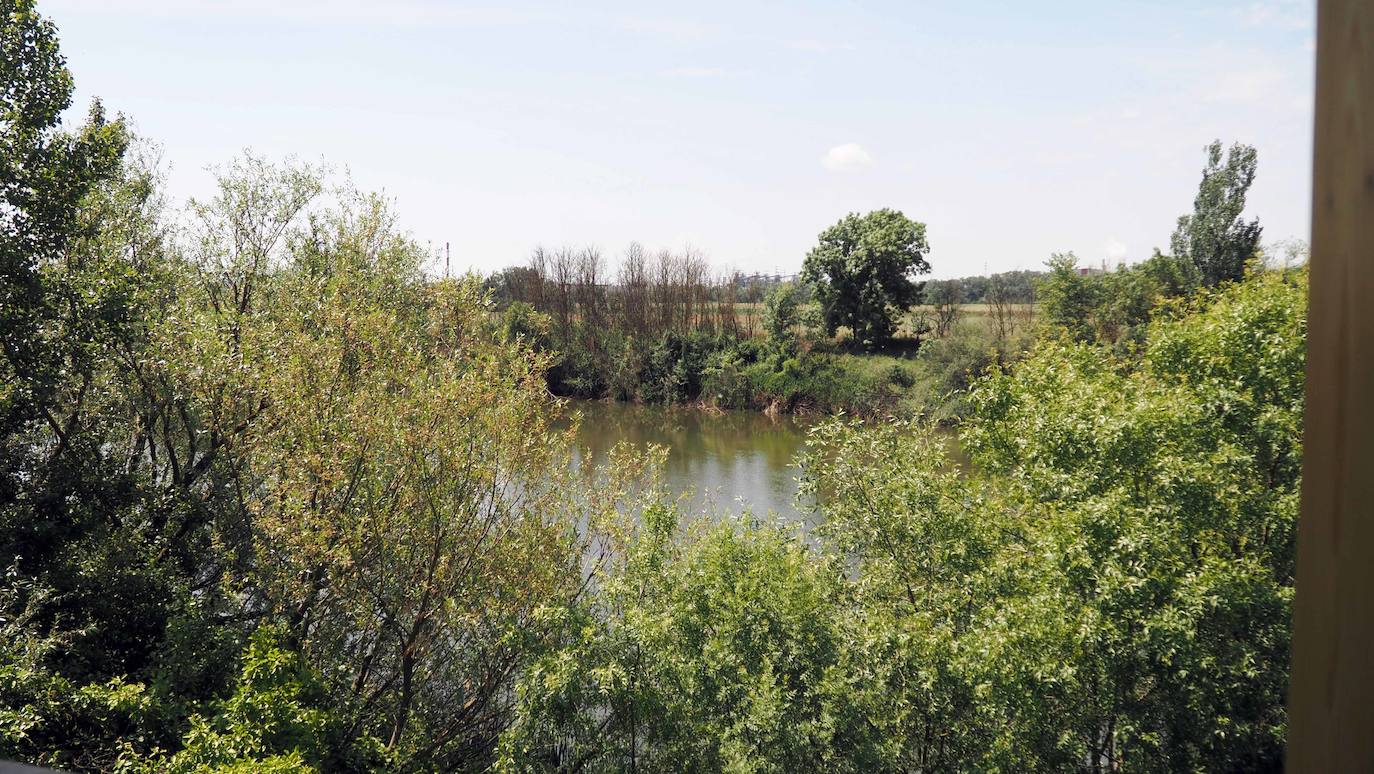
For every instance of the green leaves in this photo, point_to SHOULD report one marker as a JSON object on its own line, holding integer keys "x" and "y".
{"x": 718, "y": 651}
{"x": 1108, "y": 587}
{"x": 1214, "y": 237}
{"x": 279, "y": 718}
{"x": 1173, "y": 482}
{"x": 862, "y": 269}
{"x": 271, "y": 499}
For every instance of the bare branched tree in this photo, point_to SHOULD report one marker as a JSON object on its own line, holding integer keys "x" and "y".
{"x": 1000, "y": 307}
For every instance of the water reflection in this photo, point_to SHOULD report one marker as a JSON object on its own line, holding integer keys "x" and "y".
{"x": 726, "y": 462}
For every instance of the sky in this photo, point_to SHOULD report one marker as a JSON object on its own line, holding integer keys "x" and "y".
{"x": 1013, "y": 130}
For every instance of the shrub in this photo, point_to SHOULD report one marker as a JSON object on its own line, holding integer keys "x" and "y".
{"x": 718, "y": 652}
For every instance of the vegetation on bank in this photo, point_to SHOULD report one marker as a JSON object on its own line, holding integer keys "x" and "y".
{"x": 1107, "y": 589}
{"x": 271, "y": 499}
{"x": 662, "y": 333}
{"x": 854, "y": 332}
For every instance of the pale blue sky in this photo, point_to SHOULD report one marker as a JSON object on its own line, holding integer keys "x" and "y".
{"x": 1012, "y": 129}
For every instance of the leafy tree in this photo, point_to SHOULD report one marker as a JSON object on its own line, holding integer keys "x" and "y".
{"x": 243, "y": 431}
{"x": 410, "y": 501}
{"x": 1175, "y": 493}
{"x": 520, "y": 322}
{"x": 1017, "y": 287}
{"x": 1068, "y": 298}
{"x": 781, "y": 315}
{"x": 862, "y": 270}
{"x": 1214, "y": 237}
{"x": 57, "y": 305}
{"x": 917, "y": 535}
{"x": 279, "y": 718}
{"x": 720, "y": 651}
{"x": 513, "y": 284}
{"x": 1110, "y": 588}
{"x": 45, "y": 173}
{"x": 101, "y": 546}
{"x": 1112, "y": 307}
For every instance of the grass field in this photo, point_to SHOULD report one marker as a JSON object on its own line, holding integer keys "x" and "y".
{"x": 749, "y": 316}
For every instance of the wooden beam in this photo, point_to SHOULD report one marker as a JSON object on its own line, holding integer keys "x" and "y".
{"x": 1331, "y": 694}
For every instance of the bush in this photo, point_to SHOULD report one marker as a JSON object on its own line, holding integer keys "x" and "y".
{"x": 725, "y": 382}
{"x": 717, "y": 652}
{"x": 279, "y": 719}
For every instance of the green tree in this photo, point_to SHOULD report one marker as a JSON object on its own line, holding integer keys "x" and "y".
{"x": 918, "y": 536}
{"x": 279, "y": 718}
{"x": 1111, "y": 307}
{"x": 45, "y": 173}
{"x": 46, "y": 322}
{"x": 781, "y": 313}
{"x": 1068, "y": 298}
{"x": 862, "y": 269}
{"x": 1110, "y": 587}
{"x": 1214, "y": 237}
{"x": 715, "y": 651}
{"x": 944, "y": 299}
{"x": 410, "y": 501}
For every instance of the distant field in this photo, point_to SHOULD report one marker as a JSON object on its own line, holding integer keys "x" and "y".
{"x": 979, "y": 309}
{"x": 975, "y": 314}
{"x": 749, "y": 315}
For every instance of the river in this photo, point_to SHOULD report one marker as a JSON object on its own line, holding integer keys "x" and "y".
{"x": 725, "y": 462}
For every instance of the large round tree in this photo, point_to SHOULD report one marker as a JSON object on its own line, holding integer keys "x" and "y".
{"x": 863, "y": 269}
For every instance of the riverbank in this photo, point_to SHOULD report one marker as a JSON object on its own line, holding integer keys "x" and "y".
{"x": 917, "y": 377}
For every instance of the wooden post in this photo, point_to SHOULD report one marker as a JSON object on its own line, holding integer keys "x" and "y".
{"x": 1331, "y": 694}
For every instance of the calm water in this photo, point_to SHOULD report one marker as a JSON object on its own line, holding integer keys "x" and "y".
{"x": 725, "y": 462}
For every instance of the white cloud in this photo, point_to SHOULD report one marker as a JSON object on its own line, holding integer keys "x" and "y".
{"x": 846, "y": 158}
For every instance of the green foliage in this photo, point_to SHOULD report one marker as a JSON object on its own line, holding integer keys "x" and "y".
{"x": 1214, "y": 237}
{"x": 278, "y": 719}
{"x": 725, "y": 380}
{"x": 1110, "y": 587}
{"x": 862, "y": 269}
{"x": 520, "y": 322}
{"x": 273, "y": 500}
{"x": 917, "y": 534}
{"x": 1174, "y": 493}
{"x": 947, "y": 367}
{"x": 1068, "y": 298}
{"x": 49, "y": 719}
{"x": 62, "y": 305}
{"x": 781, "y": 315}
{"x": 1018, "y": 287}
{"x": 717, "y": 652}
{"x": 1111, "y": 307}
{"x": 45, "y": 173}
{"x": 242, "y": 433}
